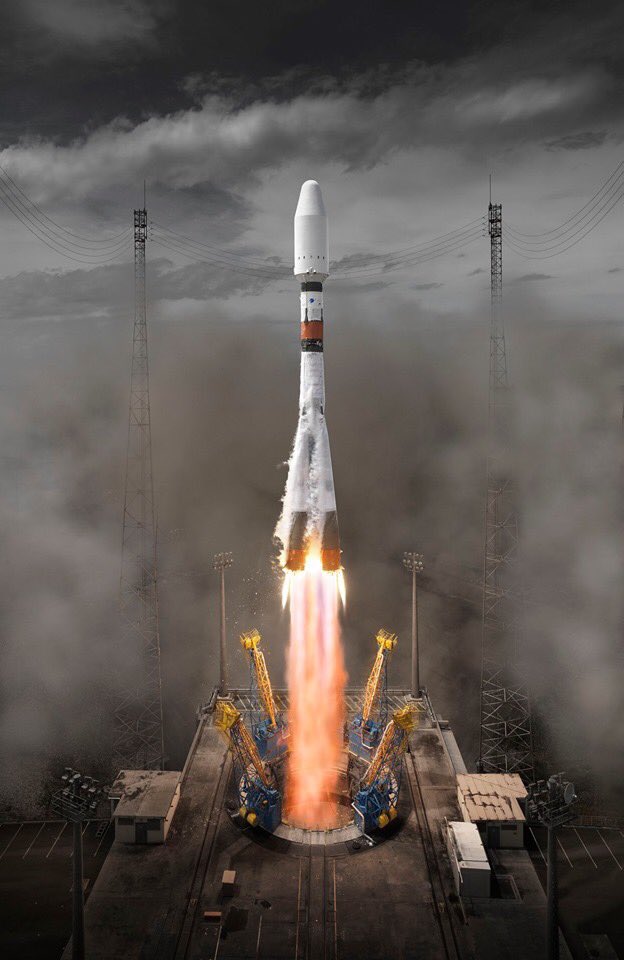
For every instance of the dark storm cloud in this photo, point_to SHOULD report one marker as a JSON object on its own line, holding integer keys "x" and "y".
{"x": 478, "y": 73}
{"x": 462, "y": 105}
{"x": 88, "y": 24}
{"x": 578, "y": 141}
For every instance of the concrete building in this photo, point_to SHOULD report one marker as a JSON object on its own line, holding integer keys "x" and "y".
{"x": 492, "y": 801}
{"x": 143, "y": 803}
{"x": 469, "y": 862}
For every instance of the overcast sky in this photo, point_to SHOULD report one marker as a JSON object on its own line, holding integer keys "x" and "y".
{"x": 400, "y": 112}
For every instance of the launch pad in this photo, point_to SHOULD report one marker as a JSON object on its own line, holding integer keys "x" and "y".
{"x": 315, "y": 896}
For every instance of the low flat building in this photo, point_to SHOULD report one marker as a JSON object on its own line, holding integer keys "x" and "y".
{"x": 492, "y": 801}
{"x": 469, "y": 862}
{"x": 143, "y": 803}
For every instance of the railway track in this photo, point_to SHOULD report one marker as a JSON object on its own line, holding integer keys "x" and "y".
{"x": 448, "y": 935}
{"x": 312, "y": 915}
{"x": 191, "y": 914}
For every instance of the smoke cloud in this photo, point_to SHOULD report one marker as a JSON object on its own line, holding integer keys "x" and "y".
{"x": 406, "y": 403}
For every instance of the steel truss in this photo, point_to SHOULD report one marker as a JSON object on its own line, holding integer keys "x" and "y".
{"x": 506, "y": 743}
{"x": 138, "y": 722}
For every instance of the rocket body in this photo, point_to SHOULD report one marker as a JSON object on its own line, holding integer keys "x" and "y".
{"x": 309, "y": 518}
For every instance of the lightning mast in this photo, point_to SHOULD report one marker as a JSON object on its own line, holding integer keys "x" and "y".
{"x": 505, "y": 743}
{"x": 138, "y": 723}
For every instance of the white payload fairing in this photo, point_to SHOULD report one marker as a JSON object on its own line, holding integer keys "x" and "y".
{"x": 309, "y": 517}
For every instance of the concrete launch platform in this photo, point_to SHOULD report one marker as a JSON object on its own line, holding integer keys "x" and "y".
{"x": 341, "y": 900}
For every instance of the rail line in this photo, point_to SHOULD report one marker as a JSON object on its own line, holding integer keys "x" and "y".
{"x": 188, "y": 923}
{"x": 440, "y": 901}
{"x": 315, "y": 912}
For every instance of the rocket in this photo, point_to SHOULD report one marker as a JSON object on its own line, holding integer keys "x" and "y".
{"x": 309, "y": 518}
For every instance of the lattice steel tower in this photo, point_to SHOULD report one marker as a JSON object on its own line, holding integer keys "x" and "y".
{"x": 505, "y": 743}
{"x": 138, "y": 724}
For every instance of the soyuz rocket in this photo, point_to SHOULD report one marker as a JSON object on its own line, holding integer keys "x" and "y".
{"x": 309, "y": 518}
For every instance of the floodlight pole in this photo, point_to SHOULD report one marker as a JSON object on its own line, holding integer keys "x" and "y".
{"x": 552, "y": 895}
{"x": 414, "y": 563}
{"x": 77, "y": 802}
{"x": 78, "y": 933}
{"x": 550, "y": 803}
{"x": 221, "y": 561}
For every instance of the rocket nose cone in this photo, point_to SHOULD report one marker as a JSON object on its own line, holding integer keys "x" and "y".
{"x": 310, "y": 201}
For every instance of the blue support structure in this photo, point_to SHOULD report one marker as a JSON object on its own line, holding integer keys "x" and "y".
{"x": 261, "y": 806}
{"x": 375, "y": 804}
{"x": 271, "y": 741}
{"x": 364, "y": 736}
{"x": 269, "y": 737}
{"x": 368, "y": 725}
{"x": 260, "y": 803}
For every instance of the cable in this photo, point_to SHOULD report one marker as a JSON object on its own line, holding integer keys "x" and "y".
{"x": 399, "y": 254}
{"x": 432, "y": 255}
{"x": 576, "y": 229}
{"x": 255, "y": 261}
{"x": 180, "y": 247}
{"x": 616, "y": 173}
{"x": 46, "y": 240}
{"x": 401, "y": 257}
{"x": 167, "y": 244}
{"x": 586, "y": 231}
{"x": 29, "y": 219}
{"x": 45, "y": 216}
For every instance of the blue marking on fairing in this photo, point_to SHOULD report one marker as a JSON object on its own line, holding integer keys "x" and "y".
{"x": 311, "y": 299}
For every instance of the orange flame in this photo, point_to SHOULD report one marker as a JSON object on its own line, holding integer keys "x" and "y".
{"x": 316, "y": 682}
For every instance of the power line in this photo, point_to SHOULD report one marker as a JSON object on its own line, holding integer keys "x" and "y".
{"x": 217, "y": 251}
{"x": 589, "y": 219}
{"x": 49, "y": 219}
{"x": 422, "y": 246}
{"x": 432, "y": 254}
{"x": 527, "y": 246}
{"x": 30, "y": 226}
{"x": 617, "y": 173}
{"x": 597, "y": 218}
{"x": 177, "y": 247}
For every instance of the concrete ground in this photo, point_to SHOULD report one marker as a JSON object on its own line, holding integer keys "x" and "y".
{"x": 35, "y": 884}
{"x": 393, "y": 900}
{"x": 591, "y": 885}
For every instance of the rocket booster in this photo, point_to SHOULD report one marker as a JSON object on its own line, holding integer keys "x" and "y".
{"x": 309, "y": 514}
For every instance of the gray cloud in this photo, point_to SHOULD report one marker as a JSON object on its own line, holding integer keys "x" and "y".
{"x": 531, "y": 277}
{"x": 424, "y": 286}
{"x": 578, "y": 141}
{"x": 232, "y": 146}
{"x": 96, "y": 23}
{"x": 102, "y": 293}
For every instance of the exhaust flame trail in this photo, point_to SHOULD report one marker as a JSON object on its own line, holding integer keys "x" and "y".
{"x": 316, "y": 682}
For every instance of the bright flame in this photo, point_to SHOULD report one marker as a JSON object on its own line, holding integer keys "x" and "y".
{"x": 286, "y": 588}
{"x": 316, "y": 681}
{"x": 342, "y": 587}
